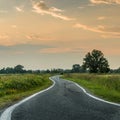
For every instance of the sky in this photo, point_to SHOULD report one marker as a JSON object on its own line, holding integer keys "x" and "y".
{"x": 58, "y": 33}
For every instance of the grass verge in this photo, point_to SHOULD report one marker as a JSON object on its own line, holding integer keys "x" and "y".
{"x": 16, "y": 87}
{"x": 104, "y": 86}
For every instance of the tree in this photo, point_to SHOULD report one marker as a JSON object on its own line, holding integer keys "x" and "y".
{"x": 115, "y": 70}
{"x": 9, "y": 70}
{"x": 95, "y": 62}
{"x": 19, "y": 69}
{"x": 76, "y": 68}
{"x": 47, "y": 71}
{"x": 3, "y": 71}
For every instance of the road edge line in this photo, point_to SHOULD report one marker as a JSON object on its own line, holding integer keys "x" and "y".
{"x": 6, "y": 115}
{"x": 94, "y": 97}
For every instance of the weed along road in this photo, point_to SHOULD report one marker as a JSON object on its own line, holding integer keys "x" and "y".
{"x": 63, "y": 101}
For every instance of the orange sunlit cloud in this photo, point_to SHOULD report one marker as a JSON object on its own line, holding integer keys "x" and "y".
{"x": 111, "y": 30}
{"x": 105, "y": 1}
{"x": 42, "y": 8}
{"x": 19, "y": 9}
{"x": 101, "y": 18}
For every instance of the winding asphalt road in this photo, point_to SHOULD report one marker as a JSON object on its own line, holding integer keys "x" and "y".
{"x": 65, "y": 101}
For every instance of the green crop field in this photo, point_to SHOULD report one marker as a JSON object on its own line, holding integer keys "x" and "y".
{"x": 15, "y": 87}
{"x": 104, "y": 86}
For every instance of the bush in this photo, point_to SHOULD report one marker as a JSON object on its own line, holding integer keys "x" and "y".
{"x": 10, "y": 84}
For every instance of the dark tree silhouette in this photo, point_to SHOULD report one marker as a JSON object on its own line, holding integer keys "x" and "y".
{"x": 9, "y": 70}
{"x": 76, "y": 68}
{"x": 18, "y": 69}
{"x": 95, "y": 62}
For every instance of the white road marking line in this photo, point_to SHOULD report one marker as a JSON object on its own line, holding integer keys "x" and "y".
{"x": 6, "y": 115}
{"x": 92, "y": 96}
{"x": 112, "y": 103}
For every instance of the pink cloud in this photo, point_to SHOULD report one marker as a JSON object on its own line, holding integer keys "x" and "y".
{"x": 101, "y": 18}
{"x": 42, "y": 8}
{"x": 37, "y": 37}
{"x": 109, "y": 30}
{"x": 19, "y": 9}
{"x": 105, "y": 1}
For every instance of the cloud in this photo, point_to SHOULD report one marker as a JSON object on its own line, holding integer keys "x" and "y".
{"x": 60, "y": 50}
{"x": 42, "y": 8}
{"x": 109, "y": 30}
{"x": 14, "y": 26}
{"x": 37, "y": 37}
{"x": 56, "y": 9}
{"x": 4, "y": 40}
{"x": 86, "y": 6}
{"x": 19, "y": 9}
{"x": 7, "y": 39}
{"x": 85, "y": 27}
{"x": 101, "y": 18}
{"x": 110, "y": 36}
{"x": 105, "y": 1}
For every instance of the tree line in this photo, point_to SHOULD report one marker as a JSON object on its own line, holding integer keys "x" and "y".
{"x": 16, "y": 69}
{"x": 94, "y": 62}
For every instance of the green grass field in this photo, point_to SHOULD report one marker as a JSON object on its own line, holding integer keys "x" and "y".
{"x": 104, "y": 86}
{"x": 15, "y": 87}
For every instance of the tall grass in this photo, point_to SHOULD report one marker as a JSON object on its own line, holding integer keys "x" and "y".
{"x": 14, "y": 87}
{"x": 105, "y": 86}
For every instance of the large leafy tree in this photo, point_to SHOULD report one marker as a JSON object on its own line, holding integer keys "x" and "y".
{"x": 95, "y": 62}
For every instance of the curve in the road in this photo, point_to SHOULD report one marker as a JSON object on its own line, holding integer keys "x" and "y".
{"x": 6, "y": 115}
{"x": 96, "y": 98}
